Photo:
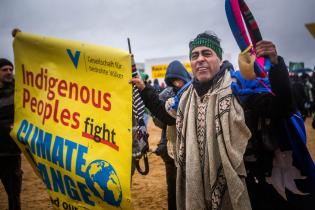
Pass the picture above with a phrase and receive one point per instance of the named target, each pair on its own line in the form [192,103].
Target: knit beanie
[5,62]
[144,76]
[208,40]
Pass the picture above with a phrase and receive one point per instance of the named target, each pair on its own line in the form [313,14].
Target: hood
[176,70]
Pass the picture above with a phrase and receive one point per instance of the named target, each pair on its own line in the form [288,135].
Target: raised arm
[151,100]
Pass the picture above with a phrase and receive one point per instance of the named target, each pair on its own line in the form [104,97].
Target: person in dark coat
[10,154]
[156,85]
[299,94]
[175,78]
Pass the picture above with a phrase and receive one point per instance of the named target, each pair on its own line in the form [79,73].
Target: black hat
[5,62]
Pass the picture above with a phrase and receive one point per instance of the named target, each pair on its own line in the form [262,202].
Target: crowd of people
[303,86]
[218,147]
[225,148]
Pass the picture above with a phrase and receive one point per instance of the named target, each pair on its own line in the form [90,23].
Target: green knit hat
[208,40]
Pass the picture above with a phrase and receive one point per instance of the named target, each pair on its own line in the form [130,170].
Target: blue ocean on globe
[103,181]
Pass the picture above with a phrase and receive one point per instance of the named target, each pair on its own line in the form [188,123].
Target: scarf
[211,140]
[237,13]
[203,87]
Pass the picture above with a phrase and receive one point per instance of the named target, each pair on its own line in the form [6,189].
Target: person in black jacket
[10,154]
[299,95]
[175,78]
[212,135]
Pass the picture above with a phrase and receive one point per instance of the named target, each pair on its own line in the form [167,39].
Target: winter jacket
[7,145]
[156,103]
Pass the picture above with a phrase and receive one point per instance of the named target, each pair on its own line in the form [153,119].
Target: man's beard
[7,80]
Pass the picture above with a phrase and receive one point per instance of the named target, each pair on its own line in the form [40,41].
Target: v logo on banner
[75,58]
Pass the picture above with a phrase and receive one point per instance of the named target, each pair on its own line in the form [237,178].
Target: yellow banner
[73,120]
[159,71]
[311,28]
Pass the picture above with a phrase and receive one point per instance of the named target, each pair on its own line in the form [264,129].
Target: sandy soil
[148,192]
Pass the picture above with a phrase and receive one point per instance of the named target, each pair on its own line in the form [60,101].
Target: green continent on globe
[103,181]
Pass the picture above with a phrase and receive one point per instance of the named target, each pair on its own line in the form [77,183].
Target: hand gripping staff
[140,145]
[237,13]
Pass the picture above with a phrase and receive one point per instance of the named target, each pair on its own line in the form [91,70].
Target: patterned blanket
[211,140]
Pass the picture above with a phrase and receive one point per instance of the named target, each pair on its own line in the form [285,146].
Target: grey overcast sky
[158,28]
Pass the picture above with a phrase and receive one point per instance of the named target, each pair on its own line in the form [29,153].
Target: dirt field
[148,192]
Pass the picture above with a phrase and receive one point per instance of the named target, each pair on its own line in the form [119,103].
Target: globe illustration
[103,181]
